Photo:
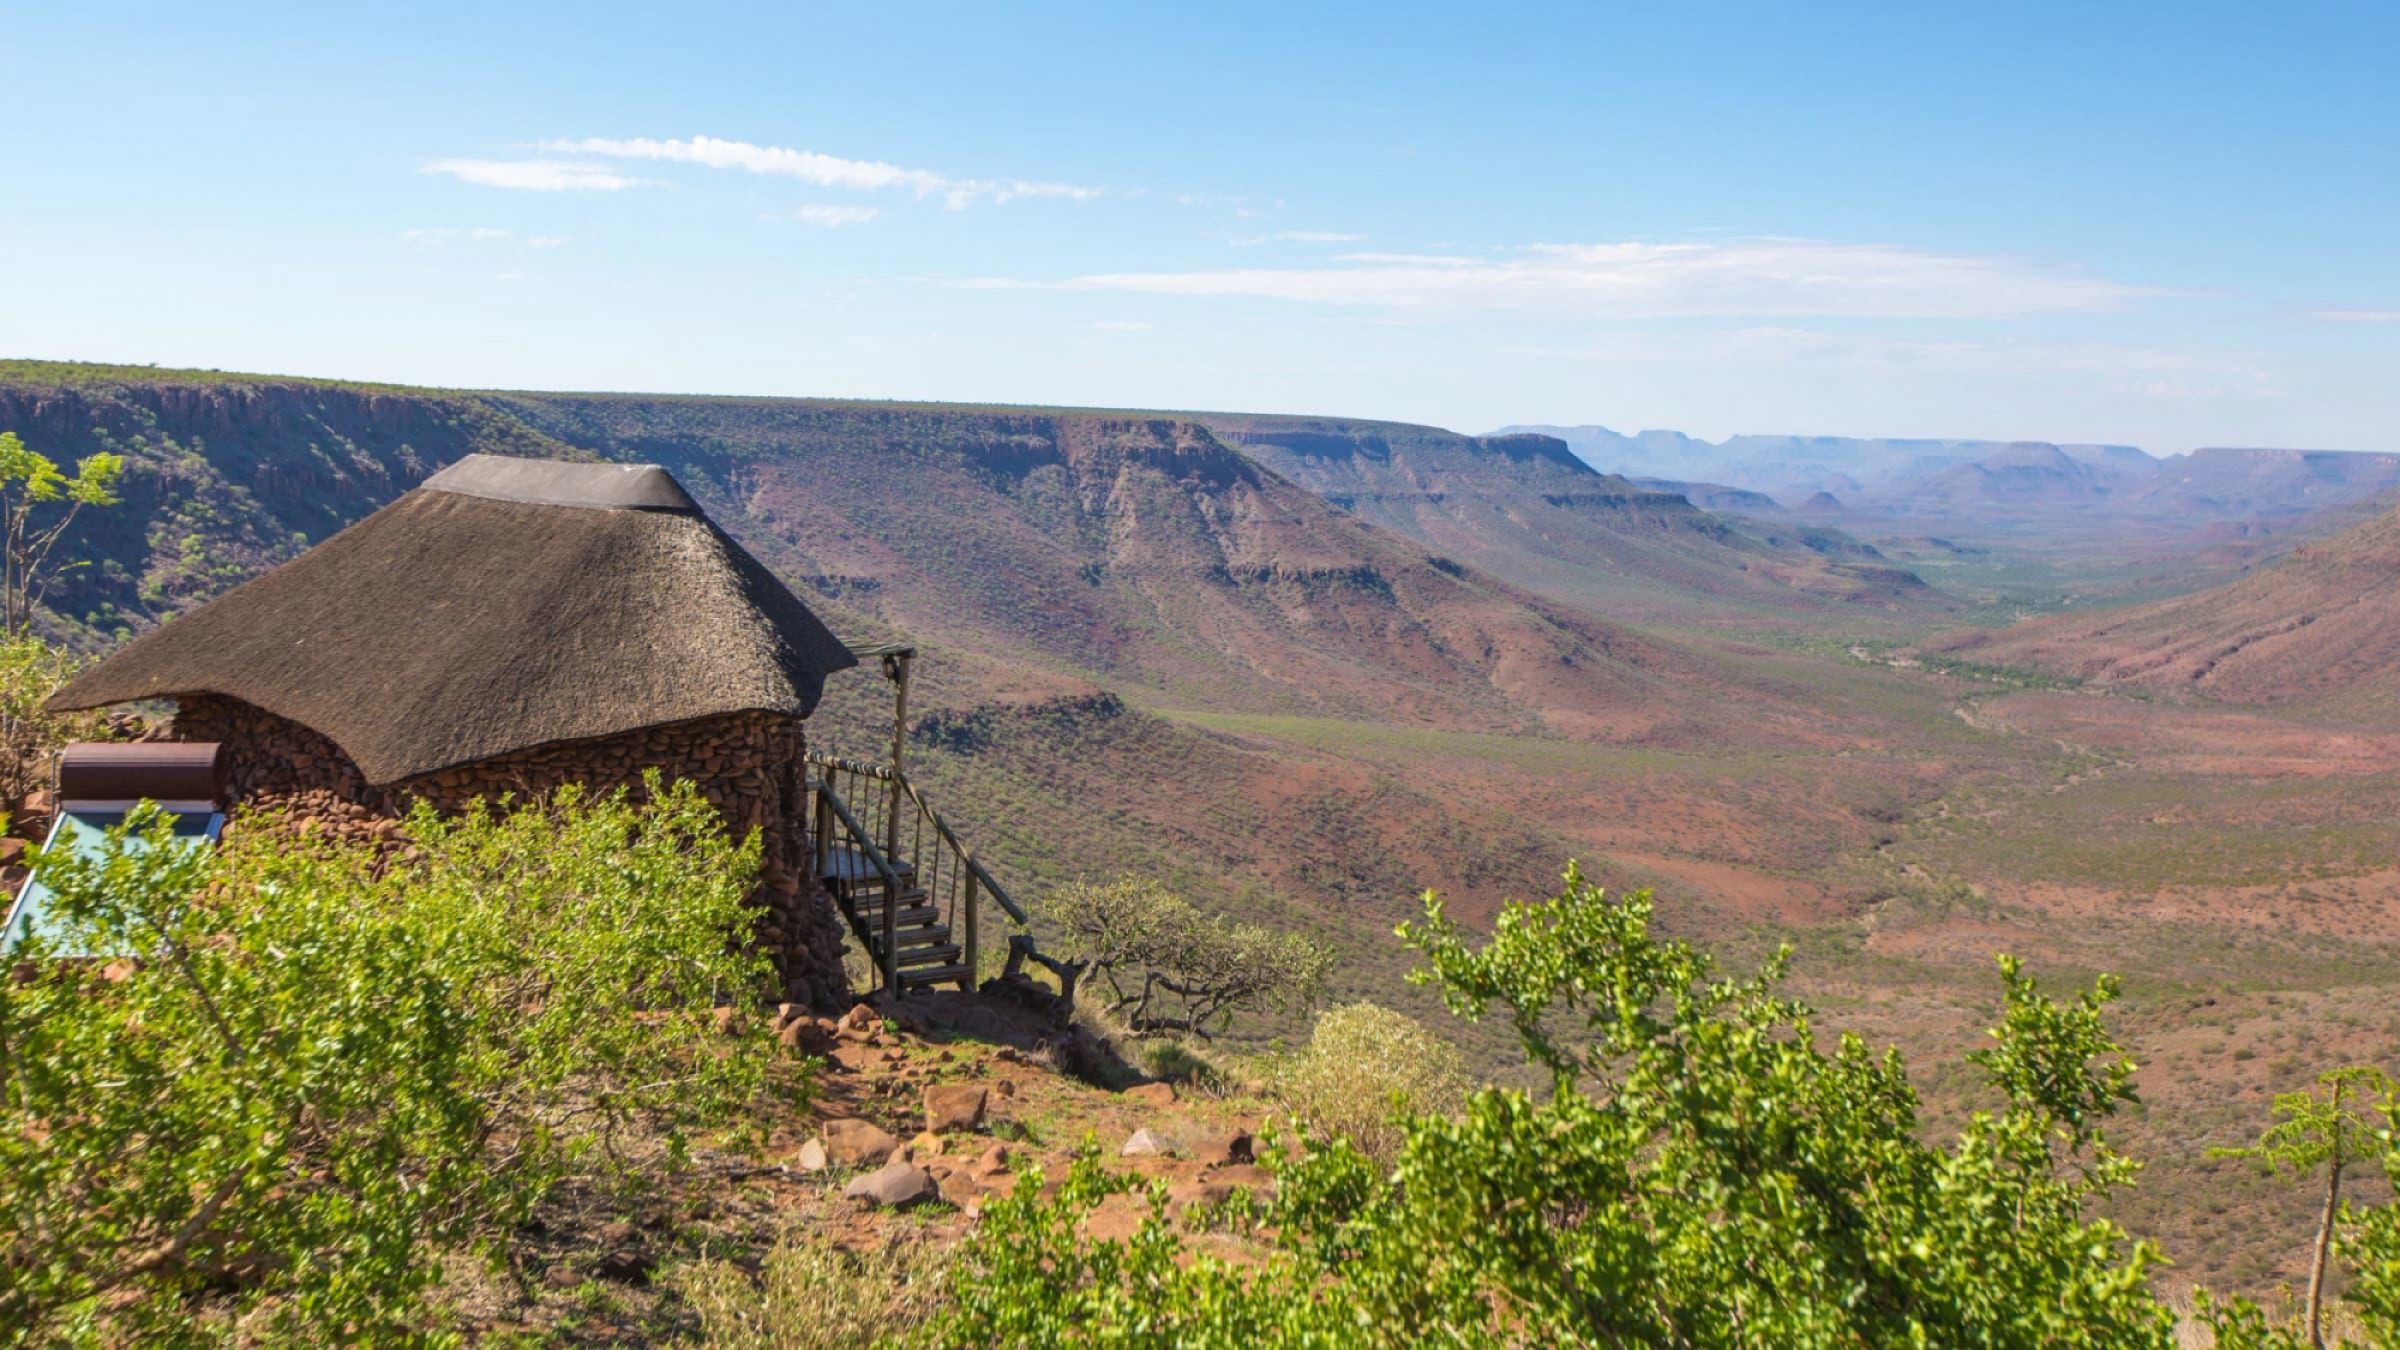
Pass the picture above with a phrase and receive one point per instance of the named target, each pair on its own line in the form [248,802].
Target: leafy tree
[1702,1172]
[313,1074]
[1171,969]
[2329,1130]
[37,503]
[2351,1114]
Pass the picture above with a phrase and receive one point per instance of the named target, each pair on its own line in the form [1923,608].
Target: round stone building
[511,626]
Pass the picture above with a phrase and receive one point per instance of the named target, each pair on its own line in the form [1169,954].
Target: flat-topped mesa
[511,626]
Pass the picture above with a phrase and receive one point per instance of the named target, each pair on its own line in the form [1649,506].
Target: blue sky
[2169,225]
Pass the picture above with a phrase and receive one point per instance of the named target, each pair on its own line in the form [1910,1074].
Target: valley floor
[2239,869]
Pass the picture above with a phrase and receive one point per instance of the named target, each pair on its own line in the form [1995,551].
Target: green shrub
[320,1074]
[811,1296]
[1179,1062]
[1701,1173]
[1365,1070]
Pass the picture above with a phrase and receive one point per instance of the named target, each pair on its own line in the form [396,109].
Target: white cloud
[809,166]
[2357,315]
[1319,237]
[1121,325]
[1741,278]
[548,240]
[833,217]
[451,235]
[1408,259]
[535,175]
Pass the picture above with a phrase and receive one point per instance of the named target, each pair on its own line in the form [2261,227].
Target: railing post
[974,945]
[824,827]
[891,940]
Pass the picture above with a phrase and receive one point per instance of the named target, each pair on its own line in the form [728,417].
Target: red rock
[961,1189]
[895,1185]
[1152,1094]
[857,1143]
[954,1107]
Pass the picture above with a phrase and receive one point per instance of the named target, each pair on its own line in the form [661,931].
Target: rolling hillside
[1142,551]
[2321,626]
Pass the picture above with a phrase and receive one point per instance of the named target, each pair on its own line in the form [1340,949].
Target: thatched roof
[502,605]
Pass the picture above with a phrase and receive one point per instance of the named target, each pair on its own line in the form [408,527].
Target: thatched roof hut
[504,604]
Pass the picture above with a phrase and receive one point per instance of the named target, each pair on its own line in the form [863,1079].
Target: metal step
[919,979]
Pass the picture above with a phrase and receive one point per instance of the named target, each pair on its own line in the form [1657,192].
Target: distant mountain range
[1994,482]
[1526,508]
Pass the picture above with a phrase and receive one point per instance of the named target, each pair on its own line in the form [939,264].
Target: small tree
[37,503]
[2329,1127]
[1171,969]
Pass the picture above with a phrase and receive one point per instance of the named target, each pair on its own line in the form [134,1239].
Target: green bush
[1702,1172]
[809,1296]
[317,1075]
[1365,1071]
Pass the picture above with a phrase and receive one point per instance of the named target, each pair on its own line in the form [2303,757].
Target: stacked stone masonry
[751,766]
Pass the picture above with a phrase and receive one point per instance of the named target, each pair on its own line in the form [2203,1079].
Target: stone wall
[750,765]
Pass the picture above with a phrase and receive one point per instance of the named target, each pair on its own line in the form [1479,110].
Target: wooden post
[891,942]
[974,946]
[895,669]
[824,825]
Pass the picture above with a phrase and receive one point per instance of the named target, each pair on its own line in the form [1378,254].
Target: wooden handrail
[978,878]
[885,773]
[865,844]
